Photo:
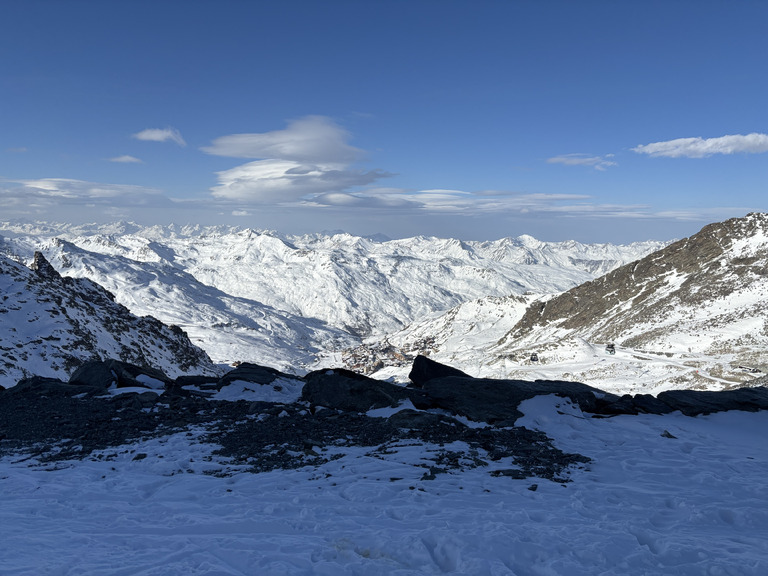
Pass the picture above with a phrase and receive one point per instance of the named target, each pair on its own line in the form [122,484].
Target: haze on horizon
[594,121]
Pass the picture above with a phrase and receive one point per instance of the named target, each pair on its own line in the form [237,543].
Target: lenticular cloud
[754,143]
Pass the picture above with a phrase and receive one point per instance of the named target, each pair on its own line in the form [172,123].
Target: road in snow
[664,495]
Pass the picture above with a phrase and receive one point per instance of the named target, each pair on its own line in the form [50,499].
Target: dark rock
[105,373]
[425,369]
[349,391]
[417,420]
[628,404]
[252,373]
[695,402]
[647,404]
[496,401]
[40,386]
[43,267]
[511,473]
[200,381]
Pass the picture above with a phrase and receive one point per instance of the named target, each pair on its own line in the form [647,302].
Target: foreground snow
[649,503]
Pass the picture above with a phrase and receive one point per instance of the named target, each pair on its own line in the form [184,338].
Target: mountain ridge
[52,324]
[293,301]
[691,314]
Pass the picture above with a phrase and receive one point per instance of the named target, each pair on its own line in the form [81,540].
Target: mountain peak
[43,267]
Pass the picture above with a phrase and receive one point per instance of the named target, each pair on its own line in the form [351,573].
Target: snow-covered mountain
[691,315]
[285,301]
[49,325]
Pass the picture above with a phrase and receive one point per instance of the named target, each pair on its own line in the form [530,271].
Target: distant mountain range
[691,314]
[296,302]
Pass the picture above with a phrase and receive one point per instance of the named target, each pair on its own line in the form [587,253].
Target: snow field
[648,504]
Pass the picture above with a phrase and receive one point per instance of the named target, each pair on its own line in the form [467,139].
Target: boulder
[349,391]
[41,386]
[695,402]
[104,373]
[251,373]
[496,401]
[425,369]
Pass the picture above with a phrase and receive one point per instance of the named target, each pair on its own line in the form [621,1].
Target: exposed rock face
[52,325]
[711,285]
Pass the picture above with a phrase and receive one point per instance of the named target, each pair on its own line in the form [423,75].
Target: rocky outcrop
[690,286]
[253,373]
[104,405]
[113,373]
[345,390]
[425,369]
[53,324]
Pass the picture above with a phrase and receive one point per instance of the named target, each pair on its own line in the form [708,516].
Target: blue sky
[591,120]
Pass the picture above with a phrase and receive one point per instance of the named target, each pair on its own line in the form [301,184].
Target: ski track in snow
[648,504]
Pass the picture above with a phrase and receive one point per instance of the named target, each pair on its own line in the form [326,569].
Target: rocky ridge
[462,422]
[691,315]
[53,324]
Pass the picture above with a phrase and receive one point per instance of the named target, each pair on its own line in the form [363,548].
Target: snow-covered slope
[664,495]
[692,315]
[49,325]
[459,337]
[700,303]
[283,301]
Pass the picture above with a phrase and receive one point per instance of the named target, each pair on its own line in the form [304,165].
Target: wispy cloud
[63,188]
[310,157]
[597,162]
[78,199]
[754,143]
[441,201]
[126,159]
[17,150]
[312,139]
[161,135]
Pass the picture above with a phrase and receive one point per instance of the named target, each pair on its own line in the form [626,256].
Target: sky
[597,121]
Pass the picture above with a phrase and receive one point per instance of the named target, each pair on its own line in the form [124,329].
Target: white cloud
[161,135]
[312,139]
[458,202]
[311,157]
[126,159]
[79,200]
[279,181]
[597,162]
[754,143]
[65,188]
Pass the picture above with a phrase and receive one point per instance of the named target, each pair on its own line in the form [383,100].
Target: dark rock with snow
[50,325]
[196,381]
[497,401]
[349,391]
[43,267]
[251,373]
[425,369]
[106,373]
